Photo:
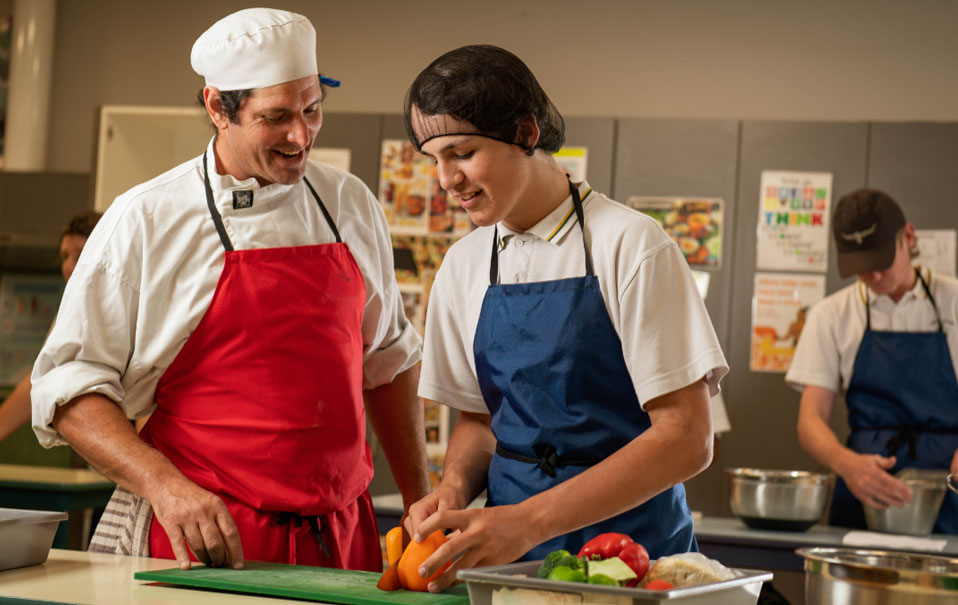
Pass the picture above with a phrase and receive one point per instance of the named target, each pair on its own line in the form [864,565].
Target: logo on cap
[859,236]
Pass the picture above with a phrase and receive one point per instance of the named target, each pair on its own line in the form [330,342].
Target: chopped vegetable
[659,585]
[394,545]
[601,578]
[567,574]
[636,557]
[614,568]
[555,559]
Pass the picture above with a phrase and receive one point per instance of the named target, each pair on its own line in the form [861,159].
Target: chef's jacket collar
[553,227]
[223,186]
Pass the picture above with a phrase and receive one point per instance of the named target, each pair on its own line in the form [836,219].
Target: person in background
[15,409]
[246,301]
[566,329]
[888,343]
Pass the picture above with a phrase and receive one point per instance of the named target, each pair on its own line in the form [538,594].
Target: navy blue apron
[551,371]
[902,401]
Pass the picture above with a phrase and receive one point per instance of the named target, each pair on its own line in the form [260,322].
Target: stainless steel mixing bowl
[916,518]
[846,576]
[777,499]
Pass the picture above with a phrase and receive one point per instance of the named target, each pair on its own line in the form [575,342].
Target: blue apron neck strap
[218,219]
[924,285]
[577,205]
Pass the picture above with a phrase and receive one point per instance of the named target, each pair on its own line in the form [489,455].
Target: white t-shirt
[826,351]
[668,341]
[148,271]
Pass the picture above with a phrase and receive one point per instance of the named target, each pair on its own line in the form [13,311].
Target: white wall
[752,59]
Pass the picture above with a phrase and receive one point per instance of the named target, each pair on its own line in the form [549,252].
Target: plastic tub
[26,536]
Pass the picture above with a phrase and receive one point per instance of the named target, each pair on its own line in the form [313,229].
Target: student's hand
[444,498]
[954,462]
[479,536]
[198,518]
[867,477]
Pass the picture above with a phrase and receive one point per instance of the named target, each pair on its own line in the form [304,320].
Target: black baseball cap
[865,224]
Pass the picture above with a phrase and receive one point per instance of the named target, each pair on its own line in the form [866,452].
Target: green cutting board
[301,582]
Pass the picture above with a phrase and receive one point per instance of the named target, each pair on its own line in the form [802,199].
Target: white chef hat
[255,48]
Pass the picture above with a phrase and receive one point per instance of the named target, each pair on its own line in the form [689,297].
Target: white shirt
[148,271]
[826,351]
[667,338]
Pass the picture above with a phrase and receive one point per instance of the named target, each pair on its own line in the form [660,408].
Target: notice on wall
[793,221]
[694,223]
[937,249]
[28,304]
[780,303]
[573,161]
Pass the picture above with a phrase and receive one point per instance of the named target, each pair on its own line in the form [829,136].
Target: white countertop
[72,576]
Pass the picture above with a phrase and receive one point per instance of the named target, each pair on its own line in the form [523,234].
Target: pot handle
[952,481]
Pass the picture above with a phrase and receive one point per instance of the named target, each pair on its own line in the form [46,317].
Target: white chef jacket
[668,341]
[826,351]
[148,272]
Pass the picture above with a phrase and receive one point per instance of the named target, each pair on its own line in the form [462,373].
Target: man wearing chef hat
[889,343]
[246,301]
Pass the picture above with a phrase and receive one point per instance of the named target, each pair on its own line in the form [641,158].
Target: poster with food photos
[696,225]
[780,304]
[793,221]
[412,198]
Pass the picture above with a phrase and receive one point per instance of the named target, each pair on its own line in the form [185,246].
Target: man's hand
[867,477]
[195,517]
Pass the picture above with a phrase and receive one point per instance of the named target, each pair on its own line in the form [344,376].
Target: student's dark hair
[490,88]
[82,224]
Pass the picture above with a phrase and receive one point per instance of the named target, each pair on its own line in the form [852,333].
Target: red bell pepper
[611,544]
[605,545]
[635,556]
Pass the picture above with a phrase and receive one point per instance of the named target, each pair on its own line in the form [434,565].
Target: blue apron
[902,401]
[551,371]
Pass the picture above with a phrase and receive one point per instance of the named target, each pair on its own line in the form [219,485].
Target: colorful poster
[937,249]
[780,303]
[694,223]
[411,196]
[573,161]
[28,304]
[793,219]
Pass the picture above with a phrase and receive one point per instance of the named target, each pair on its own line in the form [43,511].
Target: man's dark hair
[230,101]
[81,224]
[490,88]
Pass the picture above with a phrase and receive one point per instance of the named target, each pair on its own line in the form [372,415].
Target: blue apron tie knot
[548,458]
[906,434]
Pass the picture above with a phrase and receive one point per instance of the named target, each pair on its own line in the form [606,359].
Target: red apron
[263,406]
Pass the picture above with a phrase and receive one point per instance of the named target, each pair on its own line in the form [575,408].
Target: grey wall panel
[762,409]
[916,164]
[360,133]
[598,135]
[688,158]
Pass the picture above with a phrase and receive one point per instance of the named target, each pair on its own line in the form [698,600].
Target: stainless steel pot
[777,499]
[845,576]
[917,517]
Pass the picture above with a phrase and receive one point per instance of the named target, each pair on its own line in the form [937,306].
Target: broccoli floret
[555,559]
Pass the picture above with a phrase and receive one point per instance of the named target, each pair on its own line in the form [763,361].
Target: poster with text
[793,220]
[780,303]
[694,223]
[937,250]
[28,304]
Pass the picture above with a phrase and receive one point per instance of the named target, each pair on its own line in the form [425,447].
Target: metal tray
[482,582]
[26,536]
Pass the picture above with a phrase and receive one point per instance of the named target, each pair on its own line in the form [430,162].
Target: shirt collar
[553,227]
